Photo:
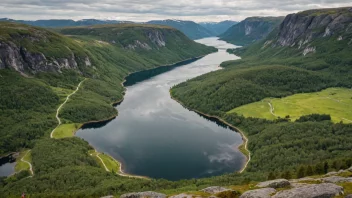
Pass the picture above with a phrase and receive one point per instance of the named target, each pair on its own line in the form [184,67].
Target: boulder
[331,173]
[109,196]
[325,190]
[259,193]
[214,189]
[277,183]
[183,196]
[350,169]
[349,196]
[302,180]
[148,194]
[336,179]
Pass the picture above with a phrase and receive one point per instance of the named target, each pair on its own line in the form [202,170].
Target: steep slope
[30,50]
[314,39]
[250,30]
[278,66]
[54,23]
[218,28]
[189,28]
[55,64]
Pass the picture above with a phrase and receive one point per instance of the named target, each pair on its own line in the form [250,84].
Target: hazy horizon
[146,10]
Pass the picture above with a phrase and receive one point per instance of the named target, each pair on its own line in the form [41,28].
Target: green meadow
[334,101]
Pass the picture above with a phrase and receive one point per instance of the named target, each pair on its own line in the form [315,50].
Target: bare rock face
[336,179]
[259,193]
[324,190]
[303,27]
[278,183]
[148,194]
[215,189]
[20,59]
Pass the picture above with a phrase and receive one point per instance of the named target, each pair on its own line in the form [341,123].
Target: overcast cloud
[145,10]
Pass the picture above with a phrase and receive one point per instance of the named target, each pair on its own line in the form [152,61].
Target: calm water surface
[7,166]
[155,136]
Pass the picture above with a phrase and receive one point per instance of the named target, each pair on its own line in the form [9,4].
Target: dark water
[7,166]
[155,136]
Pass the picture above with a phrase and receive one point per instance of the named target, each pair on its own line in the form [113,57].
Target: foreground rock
[337,179]
[148,194]
[278,183]
[184,196]
[325,190]
[259,193]
[215,189]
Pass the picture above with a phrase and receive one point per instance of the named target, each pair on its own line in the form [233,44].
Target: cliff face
[323,36]
[250,30]
[131,36]
[31,50]
[191,29]
[302,28]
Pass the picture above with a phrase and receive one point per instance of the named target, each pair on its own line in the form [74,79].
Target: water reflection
[156,137]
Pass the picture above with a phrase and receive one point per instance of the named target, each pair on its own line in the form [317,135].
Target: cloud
[144,10]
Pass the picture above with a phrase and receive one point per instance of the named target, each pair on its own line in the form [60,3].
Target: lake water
[155,136]
[7,166]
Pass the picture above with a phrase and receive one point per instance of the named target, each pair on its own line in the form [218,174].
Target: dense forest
[28,105]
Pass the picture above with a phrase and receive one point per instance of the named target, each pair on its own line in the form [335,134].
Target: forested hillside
[39,66]
[189,28]
[250,30]
[309,51]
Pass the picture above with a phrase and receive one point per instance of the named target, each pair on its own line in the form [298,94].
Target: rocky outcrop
[278,183]
[215,189]
[336,179]
[324,190]
[22,60]
[184,196]
[250,30]
[259,193]
[148,194]
[305,26]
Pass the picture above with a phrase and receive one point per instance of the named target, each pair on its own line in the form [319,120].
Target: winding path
[30,165]
[106,168]
[272,109]
[120,171]
[58,109]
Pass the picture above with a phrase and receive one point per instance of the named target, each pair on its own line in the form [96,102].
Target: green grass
[66,130]
[20,165]
[110,163]
[334,101]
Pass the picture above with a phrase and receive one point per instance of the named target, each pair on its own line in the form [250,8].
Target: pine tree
[309,171]
[271,176]
[301,172]
[288,175]
[326,167]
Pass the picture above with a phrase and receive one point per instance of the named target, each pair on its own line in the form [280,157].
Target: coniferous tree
[309,170]
[326,167]
[301,172]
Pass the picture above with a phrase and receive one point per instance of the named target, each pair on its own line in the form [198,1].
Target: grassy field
[111,164]
[66,130]
[334,101]
[20,165]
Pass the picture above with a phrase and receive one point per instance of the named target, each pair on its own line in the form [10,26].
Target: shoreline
[114,104]
[244,138]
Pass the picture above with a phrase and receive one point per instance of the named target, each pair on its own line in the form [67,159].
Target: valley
[108,108]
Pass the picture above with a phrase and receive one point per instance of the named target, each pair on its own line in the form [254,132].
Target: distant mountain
[250,30]
[218,27]
[189,28]
[52,23]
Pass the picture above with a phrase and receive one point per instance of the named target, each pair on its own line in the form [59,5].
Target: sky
[145,10]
